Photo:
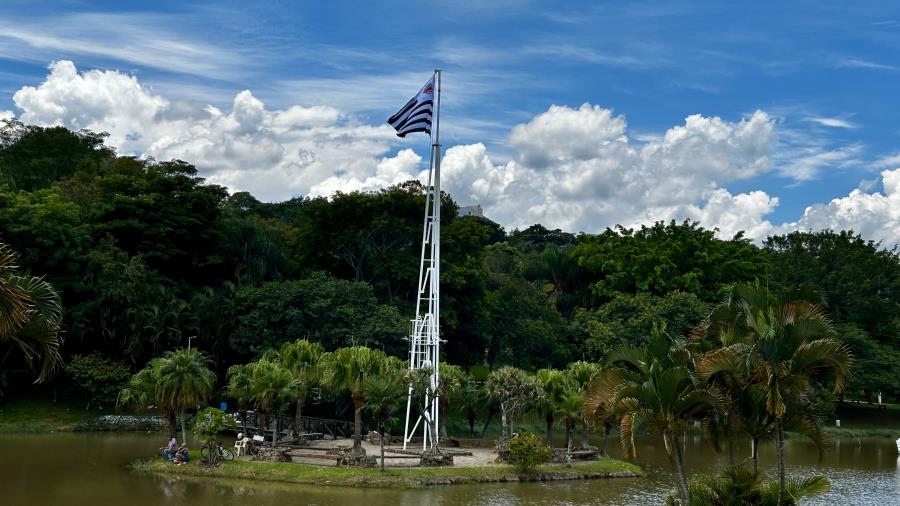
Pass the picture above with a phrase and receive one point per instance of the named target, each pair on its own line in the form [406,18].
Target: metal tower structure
[424,339]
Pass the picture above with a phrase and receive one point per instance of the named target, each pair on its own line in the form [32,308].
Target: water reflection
[91,469]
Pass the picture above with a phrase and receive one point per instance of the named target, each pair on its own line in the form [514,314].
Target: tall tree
[178,381]
[348,370]
[303,359]
[790,345]
[653,387]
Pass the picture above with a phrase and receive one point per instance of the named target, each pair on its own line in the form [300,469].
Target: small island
[479,467]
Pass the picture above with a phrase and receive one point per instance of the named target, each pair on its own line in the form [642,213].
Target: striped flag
[415,116]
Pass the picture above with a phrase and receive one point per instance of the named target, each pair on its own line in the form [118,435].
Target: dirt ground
[480,456]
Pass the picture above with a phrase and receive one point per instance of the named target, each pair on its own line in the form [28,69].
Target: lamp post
[189,341]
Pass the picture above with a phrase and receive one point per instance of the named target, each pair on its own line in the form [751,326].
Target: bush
[99,378]
[527,451]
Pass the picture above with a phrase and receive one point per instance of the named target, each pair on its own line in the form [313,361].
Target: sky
[763,118]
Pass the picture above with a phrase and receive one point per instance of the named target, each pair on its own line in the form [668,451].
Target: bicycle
[222,452]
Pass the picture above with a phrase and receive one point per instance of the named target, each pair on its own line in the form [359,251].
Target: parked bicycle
[222,452]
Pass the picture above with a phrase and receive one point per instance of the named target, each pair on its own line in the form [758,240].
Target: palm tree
[302,358]
[384,395]
[569,408]
[240,388]
[581,373]
[789,345]
[652,386]
[347,370]
[551,383]
[737,485]
[272,388]
[181,379]
[30,316]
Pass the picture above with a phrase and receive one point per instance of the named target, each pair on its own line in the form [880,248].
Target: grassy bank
[390,478]
[33,415]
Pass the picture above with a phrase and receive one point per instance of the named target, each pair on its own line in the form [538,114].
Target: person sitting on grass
[182,455]
[168,452]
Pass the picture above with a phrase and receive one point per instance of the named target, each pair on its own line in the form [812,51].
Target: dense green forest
[146,254]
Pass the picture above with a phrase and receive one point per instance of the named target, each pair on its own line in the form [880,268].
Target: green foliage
[514,390]
[627,320]
[30,317]
[321,308]
[737,486]
[177,381]
[33,157]
[527,451]
[99,378]
[209,422]
[664,258]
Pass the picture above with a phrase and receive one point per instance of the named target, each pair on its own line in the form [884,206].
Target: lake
[90,469]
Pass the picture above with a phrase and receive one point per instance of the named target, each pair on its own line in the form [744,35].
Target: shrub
[527,451]
[99,378]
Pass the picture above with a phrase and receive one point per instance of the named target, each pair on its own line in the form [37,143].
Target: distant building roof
[474,210]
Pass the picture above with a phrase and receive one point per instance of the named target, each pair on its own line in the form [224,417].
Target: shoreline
[412,477]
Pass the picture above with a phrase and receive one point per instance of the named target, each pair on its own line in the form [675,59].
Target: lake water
[91,469]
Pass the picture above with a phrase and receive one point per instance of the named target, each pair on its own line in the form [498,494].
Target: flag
[415,116]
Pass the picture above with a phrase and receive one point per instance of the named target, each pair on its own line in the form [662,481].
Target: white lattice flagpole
[424,339]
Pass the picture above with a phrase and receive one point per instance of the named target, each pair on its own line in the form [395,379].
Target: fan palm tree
[580,373]
[240,389]
[384,395]
[302,358]
[651,386]
[347,370]
[30,316]
[789,345]
[272,388]
[552,382]
[181,379]
[569,408]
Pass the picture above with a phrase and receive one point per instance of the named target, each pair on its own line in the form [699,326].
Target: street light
[189,341]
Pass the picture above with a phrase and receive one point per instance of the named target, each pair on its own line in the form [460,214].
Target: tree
[240,388]
[628,320]
[208,424]
[33,157]
[348,370]
[580,374]
[790,345]
[273,388]
[739,486]
[180,380]
[30,317]
[652,387]
[514,390]
[320,308]
[666,257]
[99,378]
[384,395]
[552,383]
[302,359]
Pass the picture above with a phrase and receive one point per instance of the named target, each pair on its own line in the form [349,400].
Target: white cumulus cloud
[576,168]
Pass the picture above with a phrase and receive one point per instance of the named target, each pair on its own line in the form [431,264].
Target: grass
[415,477]
[38,415]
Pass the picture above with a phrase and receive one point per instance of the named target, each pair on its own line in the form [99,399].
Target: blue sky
[824,73]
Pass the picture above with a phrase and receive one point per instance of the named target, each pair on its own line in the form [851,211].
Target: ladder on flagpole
[424,339]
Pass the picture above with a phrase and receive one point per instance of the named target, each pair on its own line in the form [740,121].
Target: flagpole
[425,332]
[436,145]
